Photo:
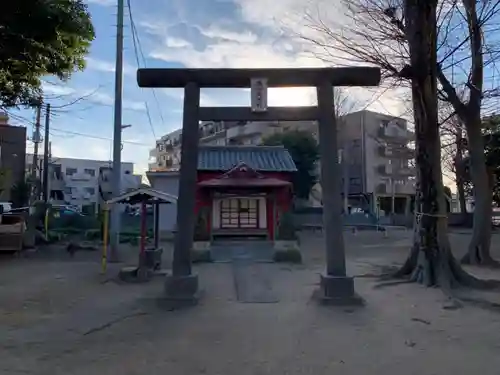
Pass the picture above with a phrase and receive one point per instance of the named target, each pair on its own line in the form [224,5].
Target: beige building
[378,160]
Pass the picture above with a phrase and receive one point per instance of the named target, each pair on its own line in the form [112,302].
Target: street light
[124,127]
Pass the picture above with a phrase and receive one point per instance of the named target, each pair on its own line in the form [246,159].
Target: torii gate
[336,287]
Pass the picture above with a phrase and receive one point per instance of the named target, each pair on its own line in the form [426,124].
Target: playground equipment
[149,257]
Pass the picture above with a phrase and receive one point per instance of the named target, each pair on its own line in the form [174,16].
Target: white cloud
[243,52]
[176,43]
[227,35]
[57,89]
[108,66]
[106,99]
[273,47]
[102,2]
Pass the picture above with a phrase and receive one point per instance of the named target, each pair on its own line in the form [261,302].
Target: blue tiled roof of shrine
[260,158]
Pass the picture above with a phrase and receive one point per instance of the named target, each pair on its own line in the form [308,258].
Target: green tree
[40,38]
[304,151]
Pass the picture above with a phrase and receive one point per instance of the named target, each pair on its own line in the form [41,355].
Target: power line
[97,137]
[71,133]
[139,51]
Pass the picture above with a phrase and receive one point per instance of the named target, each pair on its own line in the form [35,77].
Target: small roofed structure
[143,196]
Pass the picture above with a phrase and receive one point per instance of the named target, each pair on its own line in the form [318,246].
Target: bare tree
[374,32]
[453,149]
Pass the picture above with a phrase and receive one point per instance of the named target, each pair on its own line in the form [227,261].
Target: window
[90,190]
[239,213]
[71,171]
[90,172]
[384,123]
[127,172]
[355,181]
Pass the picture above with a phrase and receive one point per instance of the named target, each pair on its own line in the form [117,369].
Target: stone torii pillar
[336,286]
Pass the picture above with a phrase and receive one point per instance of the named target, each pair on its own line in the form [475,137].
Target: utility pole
[31,227]
[117,133]
[34,166]
[46,155]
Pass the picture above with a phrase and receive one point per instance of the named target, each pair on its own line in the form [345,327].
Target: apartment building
[83,182]
[374,150]
[12,156]
[377,161]
[166,154]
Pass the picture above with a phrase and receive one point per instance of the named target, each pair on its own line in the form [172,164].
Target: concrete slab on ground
[254,282]
[228,251]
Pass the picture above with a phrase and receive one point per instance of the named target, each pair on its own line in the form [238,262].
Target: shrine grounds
[59,316]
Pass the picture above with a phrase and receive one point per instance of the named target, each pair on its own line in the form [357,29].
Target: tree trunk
[479,246]
[460,174]
[430,261]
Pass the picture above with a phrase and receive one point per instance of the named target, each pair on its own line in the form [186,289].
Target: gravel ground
[58,316]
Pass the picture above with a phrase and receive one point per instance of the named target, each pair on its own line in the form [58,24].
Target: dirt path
[79,326]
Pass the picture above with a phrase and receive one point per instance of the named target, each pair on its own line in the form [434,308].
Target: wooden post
[143,231]
[157,224]
[331,183]
[187,182]
[104,259]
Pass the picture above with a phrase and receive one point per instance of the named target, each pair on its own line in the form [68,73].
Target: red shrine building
[241,190]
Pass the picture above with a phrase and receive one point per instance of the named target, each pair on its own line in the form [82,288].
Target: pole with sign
[258,90]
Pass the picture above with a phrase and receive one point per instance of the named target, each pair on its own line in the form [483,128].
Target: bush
[93,235]
[288,256]
[201,232]
[286,228]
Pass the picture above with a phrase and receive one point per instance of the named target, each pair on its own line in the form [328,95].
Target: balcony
[57,182]
[80,177]
[396,151]
[386,188]
[396,133]
[385,151]
[396,171]
[249,129]
[383,188]
[407,188]
[402,151]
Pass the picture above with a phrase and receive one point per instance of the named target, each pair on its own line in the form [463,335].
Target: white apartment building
[80,182]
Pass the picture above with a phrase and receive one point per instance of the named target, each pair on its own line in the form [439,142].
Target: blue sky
[172,33]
